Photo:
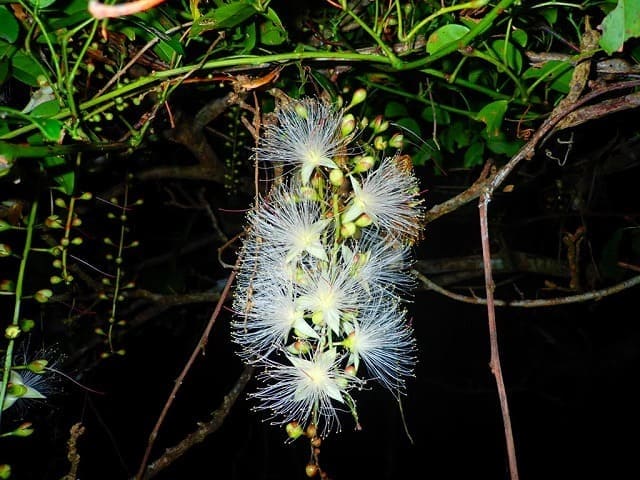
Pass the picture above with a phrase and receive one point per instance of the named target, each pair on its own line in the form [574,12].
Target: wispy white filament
[307,390]
[389,195]
[306,135]
[383,340]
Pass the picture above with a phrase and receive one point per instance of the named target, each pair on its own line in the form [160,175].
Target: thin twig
[204,429]
[494,363]
[178,383]
[537,303]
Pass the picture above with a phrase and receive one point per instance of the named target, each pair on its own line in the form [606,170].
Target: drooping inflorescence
[324,270]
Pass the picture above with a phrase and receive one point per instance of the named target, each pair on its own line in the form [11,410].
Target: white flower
[22,388]
[265,327]
[288,227]
[383,340]
[380,262]
[307,135]
[331,293]
[389,196]
[305,390]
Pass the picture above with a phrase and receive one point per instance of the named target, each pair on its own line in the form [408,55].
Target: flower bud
[379,124]
[53,221]
[396,141]
[26,324]
[318,317]
[5,250]
[301,110]
[348,229]
[4,226]
[311,470]
[348,125]
[12,332]
[363,164]
[43,296]
[311,431]
[24,430]
[379,143]
[336,177]
[299,346]
[294,430]
[59,202]
[86,196]
[359,96]
[38,366]
[363,220]
[17,390]
[5,471]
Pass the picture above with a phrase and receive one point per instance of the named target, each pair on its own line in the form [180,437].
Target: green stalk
[8,359]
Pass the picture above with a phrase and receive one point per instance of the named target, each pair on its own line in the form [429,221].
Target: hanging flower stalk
[324,271]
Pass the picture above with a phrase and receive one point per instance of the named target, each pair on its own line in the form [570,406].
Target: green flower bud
[12,332]
[379,143]
[396,141]
[301,110]
[348,125]
[359,96]
[363,221]
[26,324]
[379,125]
[294,430]
[43,296]
[24,430]
[5,471]
[59,202]
[4,226]
[38,366]
[317,318]
[348,229]
[336,177]
[363,164]
[17,390]
[5,250]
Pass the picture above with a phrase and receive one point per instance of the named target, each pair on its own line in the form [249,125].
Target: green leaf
[226,16]
[9,27]
[492,115]
[409,124]
[250,38]
[26,69]
[500,144]
[271,34]
[621,24]
[473,156]
[395,110]
[442,117]
[46,109]
[520,37]
[509,54]
[39,4]
[65,179]
[550,15]
[444,36]
[557,74]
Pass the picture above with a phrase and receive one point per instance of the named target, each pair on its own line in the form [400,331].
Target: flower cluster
[324,269]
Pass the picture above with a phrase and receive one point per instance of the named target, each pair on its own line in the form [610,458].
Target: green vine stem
[8,356]
[452,8]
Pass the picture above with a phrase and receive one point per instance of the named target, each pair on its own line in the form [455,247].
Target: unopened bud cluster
[324,270]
